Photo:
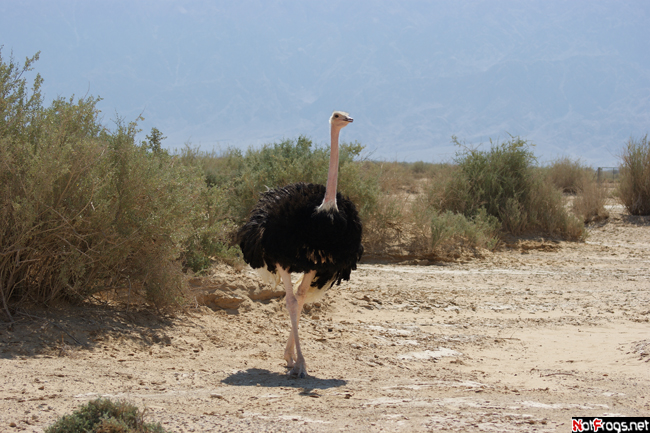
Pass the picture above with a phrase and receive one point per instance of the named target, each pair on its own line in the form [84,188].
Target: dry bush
[573,177]
[404,177]
[547,214]
[394,177]
[589,204]
[409,220]
[386,225]
[82,216]
[568,175]
[634,188]
[84,209]
[401,220]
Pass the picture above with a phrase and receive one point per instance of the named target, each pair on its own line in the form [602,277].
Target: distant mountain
[572,77]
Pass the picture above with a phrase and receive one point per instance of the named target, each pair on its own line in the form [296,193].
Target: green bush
[482,230]
[505,183]
[235,180]
[85,209]
[495,180]
[213,231]
[245,176]
[105,416]
[634,188]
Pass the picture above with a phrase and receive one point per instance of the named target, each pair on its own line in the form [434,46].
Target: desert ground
[521,339]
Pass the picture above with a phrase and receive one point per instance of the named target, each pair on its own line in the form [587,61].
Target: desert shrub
[401,217]
[503,181]
[385,224]
[419,167]
[213,231]
[495,180]
[573,177]
[289,161]
[568,175]
[392,177]
[400,177]
[634,188]
[589,204]
[546,214]
[84,208]
[105,416]
[235,180]
[479,231]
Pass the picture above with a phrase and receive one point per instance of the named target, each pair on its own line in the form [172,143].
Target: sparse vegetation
[479,231]
[634,189]
[86,209]
[589,204]
[568,175]
[504,182]
[290,161]
[575,178]
[105,416]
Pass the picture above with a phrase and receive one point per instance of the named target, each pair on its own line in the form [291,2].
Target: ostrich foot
[290,360]
[299,371]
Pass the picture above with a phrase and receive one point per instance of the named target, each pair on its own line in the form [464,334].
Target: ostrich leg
[295,303]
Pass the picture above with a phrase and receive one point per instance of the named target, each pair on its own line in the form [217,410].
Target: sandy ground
[519,341]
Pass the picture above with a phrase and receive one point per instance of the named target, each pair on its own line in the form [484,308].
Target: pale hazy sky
[571,76]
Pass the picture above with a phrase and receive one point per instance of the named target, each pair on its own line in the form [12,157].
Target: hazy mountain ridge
[574,78]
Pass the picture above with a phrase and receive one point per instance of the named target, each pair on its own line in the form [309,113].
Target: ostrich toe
[299,371]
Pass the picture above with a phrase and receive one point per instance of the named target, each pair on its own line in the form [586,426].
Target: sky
[571,77]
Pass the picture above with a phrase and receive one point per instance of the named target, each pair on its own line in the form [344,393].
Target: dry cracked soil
[521,340]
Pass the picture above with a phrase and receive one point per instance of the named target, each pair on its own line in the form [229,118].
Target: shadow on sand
[270,379]
[57,330]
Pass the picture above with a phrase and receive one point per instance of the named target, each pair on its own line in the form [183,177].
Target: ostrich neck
[332,174]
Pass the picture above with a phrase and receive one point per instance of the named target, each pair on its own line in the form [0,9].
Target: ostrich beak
[349,119]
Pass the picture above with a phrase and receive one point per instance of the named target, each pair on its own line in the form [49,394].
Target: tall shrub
[634,189]
[569,175]
[84,208]
[503,181]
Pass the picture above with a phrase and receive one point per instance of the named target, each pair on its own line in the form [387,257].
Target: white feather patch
[271,278]
[314,294]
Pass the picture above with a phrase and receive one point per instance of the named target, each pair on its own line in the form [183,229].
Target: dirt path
[520,341]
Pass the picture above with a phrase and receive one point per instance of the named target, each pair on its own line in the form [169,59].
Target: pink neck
[332,174]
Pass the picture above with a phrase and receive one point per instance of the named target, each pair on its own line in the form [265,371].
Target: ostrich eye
[336,115]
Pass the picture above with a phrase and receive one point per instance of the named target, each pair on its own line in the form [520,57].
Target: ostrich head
[340,119]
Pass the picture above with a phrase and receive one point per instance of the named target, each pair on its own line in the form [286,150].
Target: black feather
[285,228]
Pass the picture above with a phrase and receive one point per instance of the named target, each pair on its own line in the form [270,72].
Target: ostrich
[309,229]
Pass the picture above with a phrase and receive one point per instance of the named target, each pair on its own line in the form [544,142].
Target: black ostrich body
[287,229]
